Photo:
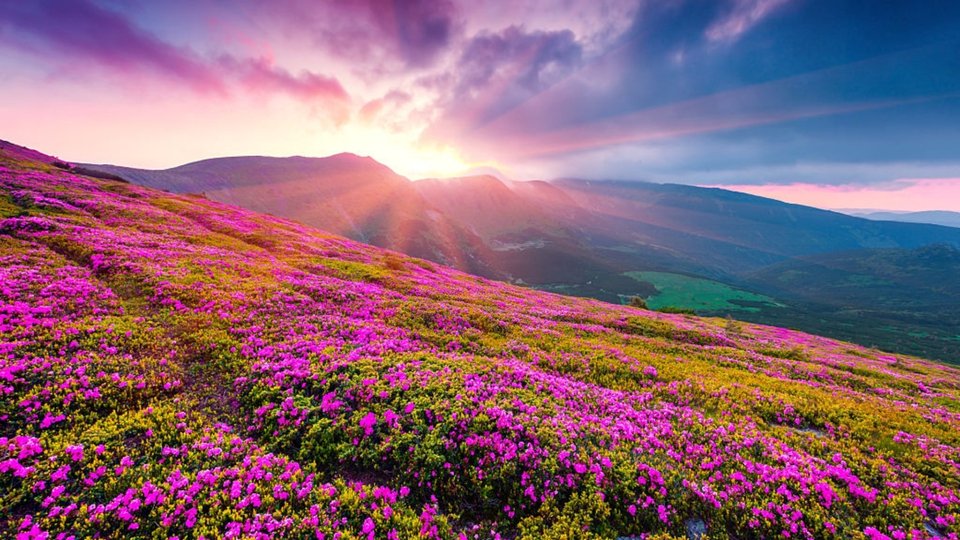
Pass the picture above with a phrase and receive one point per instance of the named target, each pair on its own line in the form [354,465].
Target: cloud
[424,28]
[390,102]
[496,72]
[80,32]
[744,15]
[521,134]
[376,35]
[595,23]
[902,194]
[716,91]
[261,75]
[534,60]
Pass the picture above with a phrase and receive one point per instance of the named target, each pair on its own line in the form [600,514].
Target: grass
[7,207]
[680,291]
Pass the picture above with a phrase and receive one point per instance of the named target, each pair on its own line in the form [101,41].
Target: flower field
[175,368]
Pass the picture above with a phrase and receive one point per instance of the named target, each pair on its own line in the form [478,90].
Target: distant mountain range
[935,217]
[813,269]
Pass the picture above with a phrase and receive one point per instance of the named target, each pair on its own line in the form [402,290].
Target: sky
[833,103]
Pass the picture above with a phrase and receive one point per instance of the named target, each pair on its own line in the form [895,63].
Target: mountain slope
[173,366]
[345,194]
[907,299]
[747,231]
[590,238]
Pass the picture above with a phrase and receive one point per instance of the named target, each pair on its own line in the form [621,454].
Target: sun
[416,162]
[405,153]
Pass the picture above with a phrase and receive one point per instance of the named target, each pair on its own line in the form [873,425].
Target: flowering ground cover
[172,367]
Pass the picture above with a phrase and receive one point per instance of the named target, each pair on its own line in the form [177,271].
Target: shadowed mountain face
[608,240]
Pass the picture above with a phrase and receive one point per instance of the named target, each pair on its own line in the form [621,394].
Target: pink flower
[329,403]
[367,423]
[873,534]
[74,451]
[663,514]
[368,528]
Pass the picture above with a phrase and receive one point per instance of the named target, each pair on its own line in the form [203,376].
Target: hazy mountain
[935,217]
[604,239]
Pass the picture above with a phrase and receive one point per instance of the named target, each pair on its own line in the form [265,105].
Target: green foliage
[681,291]
[355,271]
[8,208]
[677,310]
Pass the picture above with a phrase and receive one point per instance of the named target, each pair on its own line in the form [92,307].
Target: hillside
[591,238]
[173,366]
[909,298]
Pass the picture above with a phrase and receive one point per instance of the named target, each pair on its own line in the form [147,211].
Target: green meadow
[678,290]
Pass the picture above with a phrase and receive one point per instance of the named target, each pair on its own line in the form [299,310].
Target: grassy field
[678,290]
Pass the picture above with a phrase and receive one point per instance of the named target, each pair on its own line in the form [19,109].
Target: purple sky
[818,100]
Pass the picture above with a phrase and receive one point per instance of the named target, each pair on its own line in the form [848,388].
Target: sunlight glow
[402,152]
[417,162]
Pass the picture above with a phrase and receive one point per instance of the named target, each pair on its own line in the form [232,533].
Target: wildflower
[367,422]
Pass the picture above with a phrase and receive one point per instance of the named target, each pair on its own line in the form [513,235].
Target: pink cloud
[261,74]
[745,15]
[905,194]
[408,33]
[80,32]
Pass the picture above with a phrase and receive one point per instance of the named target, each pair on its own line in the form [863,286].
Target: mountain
[602,239]
[936,217]
[173,366]
[738,231]
[345,194]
